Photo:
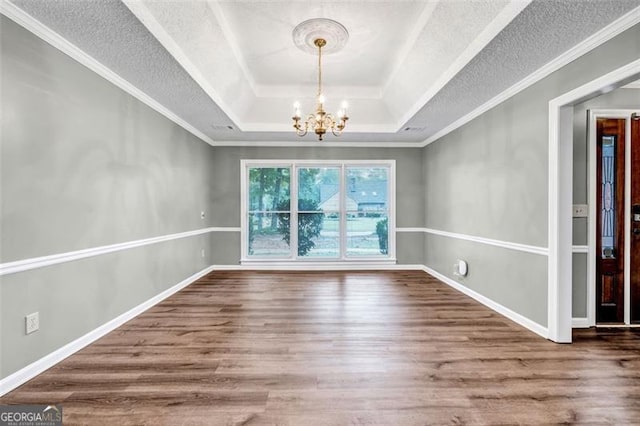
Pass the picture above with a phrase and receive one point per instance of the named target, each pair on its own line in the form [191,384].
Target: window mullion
[244,209]
[293,211]
[342,233]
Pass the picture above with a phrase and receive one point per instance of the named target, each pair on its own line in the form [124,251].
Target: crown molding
[607,33]
[423,19]
[233,43]
[141,12]
[498,24]
[34,26]
[25,20]
[312,143]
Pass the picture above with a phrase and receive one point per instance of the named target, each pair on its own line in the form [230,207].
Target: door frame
[560,220]
[592,216]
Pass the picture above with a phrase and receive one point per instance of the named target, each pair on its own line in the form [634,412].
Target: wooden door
[635,220]
[610,221]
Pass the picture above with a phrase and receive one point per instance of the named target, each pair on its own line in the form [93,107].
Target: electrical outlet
[32,322]
[202,252]
[202,215]
[580,210]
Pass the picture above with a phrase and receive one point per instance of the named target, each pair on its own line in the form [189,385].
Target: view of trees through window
[269,210]
[340,211]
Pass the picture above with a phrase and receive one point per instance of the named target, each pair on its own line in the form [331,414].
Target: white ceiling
[398,54]
[419,64]
[262,33]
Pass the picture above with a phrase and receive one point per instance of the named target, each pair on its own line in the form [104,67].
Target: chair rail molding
[54,259]
[542,251]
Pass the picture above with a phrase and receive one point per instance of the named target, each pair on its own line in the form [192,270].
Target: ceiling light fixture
[319,31]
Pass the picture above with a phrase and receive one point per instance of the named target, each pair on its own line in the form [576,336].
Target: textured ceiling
[543,31]
[107,31]
[422,64]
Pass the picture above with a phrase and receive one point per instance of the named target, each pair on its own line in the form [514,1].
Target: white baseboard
[317,266]
[513,316]
[27,373]
[30,371]
[580,323]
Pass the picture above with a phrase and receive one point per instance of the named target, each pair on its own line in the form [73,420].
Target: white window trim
[293,258]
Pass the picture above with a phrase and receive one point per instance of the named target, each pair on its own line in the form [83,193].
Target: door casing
[592,202]
[560,199]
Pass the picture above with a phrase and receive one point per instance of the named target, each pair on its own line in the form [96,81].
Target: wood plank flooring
[338,348]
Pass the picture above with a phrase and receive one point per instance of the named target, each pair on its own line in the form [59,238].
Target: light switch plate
[580,210]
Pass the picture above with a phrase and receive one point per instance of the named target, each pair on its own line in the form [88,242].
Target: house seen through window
[318,211]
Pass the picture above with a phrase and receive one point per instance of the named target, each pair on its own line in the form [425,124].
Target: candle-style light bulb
[344,107]
[321,98]
[296,109]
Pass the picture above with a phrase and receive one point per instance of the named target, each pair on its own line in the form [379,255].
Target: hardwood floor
[338,348]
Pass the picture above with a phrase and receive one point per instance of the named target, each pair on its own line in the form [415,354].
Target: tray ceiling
[409,69]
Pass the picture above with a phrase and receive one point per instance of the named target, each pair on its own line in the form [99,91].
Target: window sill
[320,264]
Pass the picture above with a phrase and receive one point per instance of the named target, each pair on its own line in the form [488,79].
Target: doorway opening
[614,225]
[561,195]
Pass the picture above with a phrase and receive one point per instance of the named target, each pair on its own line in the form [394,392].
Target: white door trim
[561,193]
[591,241]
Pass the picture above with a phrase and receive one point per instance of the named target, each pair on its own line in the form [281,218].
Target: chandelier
[320,121]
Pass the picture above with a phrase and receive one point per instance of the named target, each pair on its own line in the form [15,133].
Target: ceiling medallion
[324,36]
[306,33]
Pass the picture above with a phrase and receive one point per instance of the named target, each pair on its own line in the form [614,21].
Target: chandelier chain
[319,69]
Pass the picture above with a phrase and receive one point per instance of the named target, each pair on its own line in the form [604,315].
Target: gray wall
[409,196]
[489,179]
[83,164]
[617,99]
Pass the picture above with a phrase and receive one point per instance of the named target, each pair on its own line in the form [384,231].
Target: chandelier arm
[301,132]
[336,127]
[342,124]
